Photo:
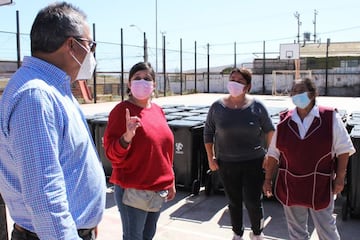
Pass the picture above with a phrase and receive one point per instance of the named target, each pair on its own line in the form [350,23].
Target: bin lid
[201,118]
[172,105]
[184,123]
[184,114]
[100,120]
[201,110]
[275,120]
[90,117]
[172,117]
[342,112]
[355,114]
[275,111]
[102,114]
[191,107]
[353,121]
[355,132]
[171,110]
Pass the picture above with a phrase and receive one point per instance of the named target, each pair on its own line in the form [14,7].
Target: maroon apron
[306,166]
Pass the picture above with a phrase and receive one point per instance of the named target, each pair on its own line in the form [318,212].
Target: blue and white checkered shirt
[50,175]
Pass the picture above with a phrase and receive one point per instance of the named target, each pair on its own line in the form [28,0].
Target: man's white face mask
[87,67]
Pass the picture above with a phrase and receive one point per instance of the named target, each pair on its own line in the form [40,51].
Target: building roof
[336,49]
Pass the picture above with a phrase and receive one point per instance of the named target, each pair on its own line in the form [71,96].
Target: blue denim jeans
[136,223]
[297,221]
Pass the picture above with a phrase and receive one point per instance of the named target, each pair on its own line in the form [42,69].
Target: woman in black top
[236,134]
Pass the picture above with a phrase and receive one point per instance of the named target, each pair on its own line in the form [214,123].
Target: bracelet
[123,142]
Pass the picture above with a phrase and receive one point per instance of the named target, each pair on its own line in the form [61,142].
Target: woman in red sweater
[140,146]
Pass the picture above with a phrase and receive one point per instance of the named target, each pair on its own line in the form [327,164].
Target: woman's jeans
[243,183]
[137,224]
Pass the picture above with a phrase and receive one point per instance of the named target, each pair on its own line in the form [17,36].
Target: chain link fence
[184,71]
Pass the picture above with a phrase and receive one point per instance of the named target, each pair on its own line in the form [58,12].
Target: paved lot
[204,217]
[199,217]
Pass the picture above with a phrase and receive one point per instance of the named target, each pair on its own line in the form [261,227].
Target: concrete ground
[205,217]
[197,217]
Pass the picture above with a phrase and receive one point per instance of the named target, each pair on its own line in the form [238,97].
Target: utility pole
[234,54]
[156,36]
[146,55]
[18,39]
[208,68]
[264,68]
[145,41]
[327,66]
[297,16]
[314,22]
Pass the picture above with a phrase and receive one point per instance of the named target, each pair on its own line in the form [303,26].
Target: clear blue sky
[217,23]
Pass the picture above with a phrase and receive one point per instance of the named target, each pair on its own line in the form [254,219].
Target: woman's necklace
[238,104]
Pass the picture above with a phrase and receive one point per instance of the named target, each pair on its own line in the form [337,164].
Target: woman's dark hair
[54,24]
[246,73]
[308,84]
[309,87]
[139,67]
[142,66]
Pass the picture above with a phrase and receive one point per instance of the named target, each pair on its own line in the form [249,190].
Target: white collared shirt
[341,139]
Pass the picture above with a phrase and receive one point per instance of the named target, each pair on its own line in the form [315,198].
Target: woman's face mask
[301,100]
[141,89]
[235,88]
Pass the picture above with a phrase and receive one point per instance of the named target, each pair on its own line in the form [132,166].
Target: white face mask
[141,89]
[87,67]
[235,88]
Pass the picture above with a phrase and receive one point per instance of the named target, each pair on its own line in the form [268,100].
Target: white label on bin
[179,148]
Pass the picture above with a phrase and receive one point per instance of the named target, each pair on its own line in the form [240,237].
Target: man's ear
[69,43]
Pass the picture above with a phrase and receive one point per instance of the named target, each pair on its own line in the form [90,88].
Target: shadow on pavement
[199,209]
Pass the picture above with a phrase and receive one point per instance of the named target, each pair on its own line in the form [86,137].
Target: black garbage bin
[275,111]
[172,117]
[183,114]
[189,154]
[213,183]
[100,126]
[201,118]
[190,108]
[90,121]
[352,188]
[352,121]
[171,110]
[202,110]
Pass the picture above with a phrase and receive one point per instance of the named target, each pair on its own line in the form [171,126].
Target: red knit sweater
[147,162]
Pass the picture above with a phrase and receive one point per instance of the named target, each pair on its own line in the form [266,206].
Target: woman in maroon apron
[310,151]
